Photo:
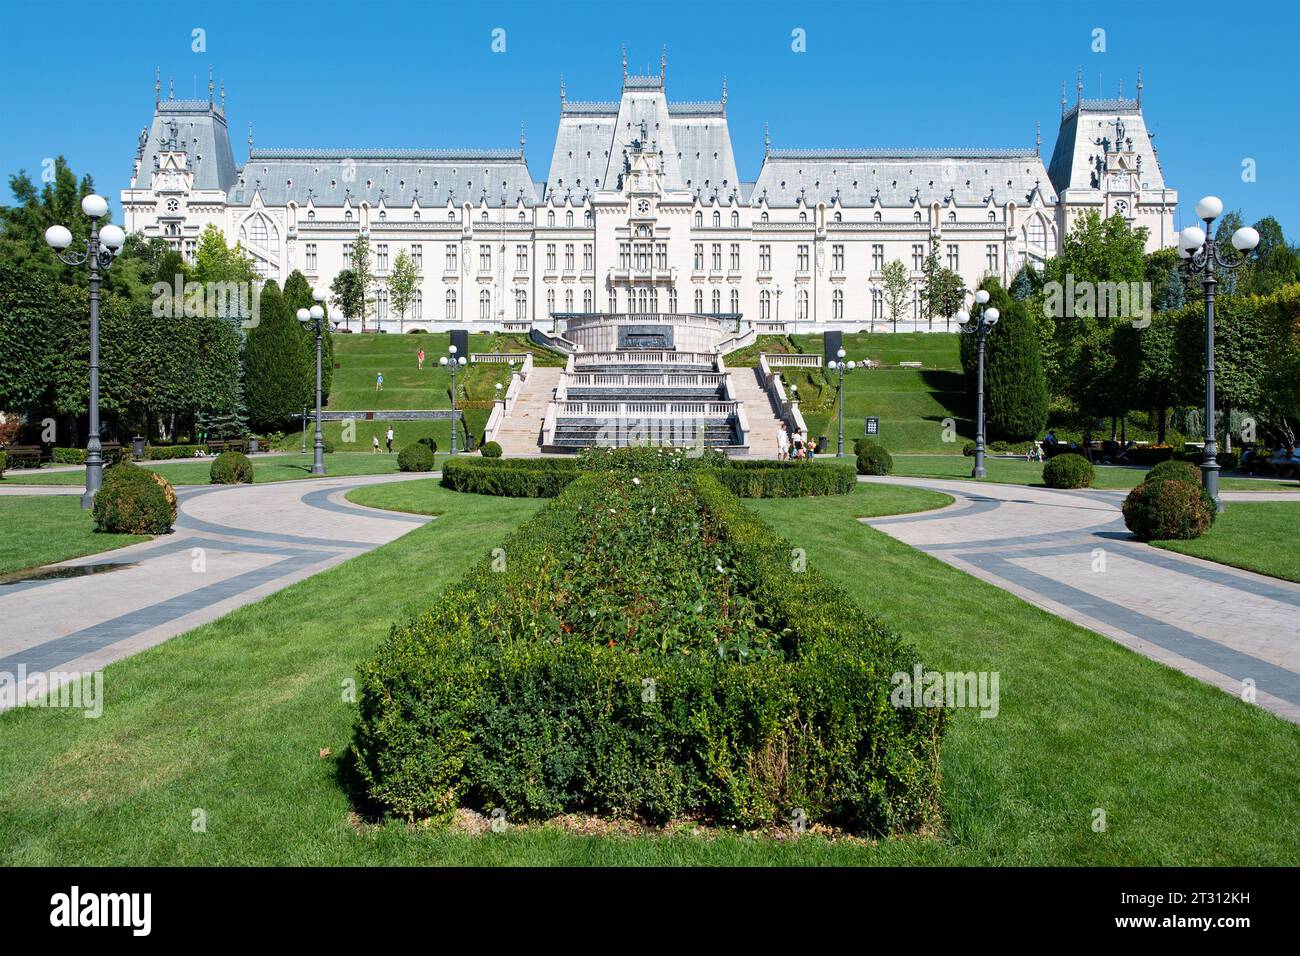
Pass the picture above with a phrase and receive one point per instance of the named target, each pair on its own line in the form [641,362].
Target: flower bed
[644,647]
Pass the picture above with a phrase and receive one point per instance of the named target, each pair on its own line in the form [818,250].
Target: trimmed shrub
[510,477]
[490,449]
[68,456]
[428,443]
[231,468]
[1068,471]
[526,688]
[170,452]
[415,457]
[872,458]
[785,479]
[134,501]
[1174,471]
[1166,509]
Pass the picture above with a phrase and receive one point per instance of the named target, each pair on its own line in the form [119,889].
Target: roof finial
[1139,86]
[561,90]
[250,137]
[1121,88]
[223,97]
[1038,139]
[624,48]
[663,63]
[1063,98]
[157,86]
[209,87]
[1078,86]
[724,92]
[171,87]
[767,141]
[522,141]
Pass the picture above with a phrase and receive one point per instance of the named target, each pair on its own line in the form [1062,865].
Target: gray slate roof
[200,129]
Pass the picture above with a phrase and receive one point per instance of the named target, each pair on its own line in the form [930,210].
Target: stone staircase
[759,412]
[520,433]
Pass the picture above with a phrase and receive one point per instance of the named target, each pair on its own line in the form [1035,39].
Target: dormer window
[952,217]
[451,217]
[717,219]
[993,217]
[876,216]
[803,217]
[416,215]
[763,218]
[483,215]
[568,218]
[383,216]
[839,217]
[521,216]
[735,219]
[347,216]
[550,217]
[311,215]
[699,218]
[916,216]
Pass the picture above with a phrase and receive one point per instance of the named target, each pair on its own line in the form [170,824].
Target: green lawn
[1017,471]
[274,468]
[231,719]
[1258,536]
[44,529]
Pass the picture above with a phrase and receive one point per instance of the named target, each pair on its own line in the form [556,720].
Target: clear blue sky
[78,80]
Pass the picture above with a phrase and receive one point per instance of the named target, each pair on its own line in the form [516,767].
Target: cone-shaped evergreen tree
[1015,390]
[274,364]
[297,295]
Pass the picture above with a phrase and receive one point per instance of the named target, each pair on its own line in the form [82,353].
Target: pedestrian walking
[388,439]
[419,357]
[379,381]
[782,444]
[374,443]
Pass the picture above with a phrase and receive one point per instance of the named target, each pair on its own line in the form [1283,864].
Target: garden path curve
[1069,553]
[232,545]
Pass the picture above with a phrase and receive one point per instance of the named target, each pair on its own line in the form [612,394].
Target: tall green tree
[298,295]
[347,294]
[895,286]
[402,283]
[1016,391]
[274,364]
[365,278]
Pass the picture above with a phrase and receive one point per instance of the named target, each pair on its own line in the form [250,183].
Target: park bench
[909,364]
[25,456]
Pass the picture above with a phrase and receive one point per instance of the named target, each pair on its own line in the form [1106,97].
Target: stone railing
[788,408]
[645,358]
[779,359]
[499,357]
[649,379]
[740,341]
[644,409]
[502,407]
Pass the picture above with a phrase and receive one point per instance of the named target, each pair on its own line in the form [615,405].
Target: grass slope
[1257,536]
[44,529]
[231,718]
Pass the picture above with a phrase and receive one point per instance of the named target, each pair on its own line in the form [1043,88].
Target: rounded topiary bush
[231,468]
[134,501]
[415,457]
[1167,509]
[1174,471]
[872,458]
[1068,471]
[490,449]
[428,443]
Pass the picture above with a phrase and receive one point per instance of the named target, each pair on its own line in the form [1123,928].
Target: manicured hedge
[231,468]
[68,456]
[169,452]
[1068,471]
[509,477]
[646,650]
[1165,509]
[872,459]
[415,457]
[490,449]
[134,501]
[547,477]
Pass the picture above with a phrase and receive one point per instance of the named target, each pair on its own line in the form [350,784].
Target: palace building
[643,210]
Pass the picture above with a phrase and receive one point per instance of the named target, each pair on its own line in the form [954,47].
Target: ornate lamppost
[451,360]
[980,328]
[100,250]
[838,364]
[1203,258]
[315,318]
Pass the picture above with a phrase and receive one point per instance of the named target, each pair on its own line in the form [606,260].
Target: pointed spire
[561,91]
[171,87]
[724,92]
[767,141]
[663,63]
[1139,86]
[1038,139]
[624,48]
[250,137]
[209,87]
[223,97]
[1063,98]
[157,86]
[1078,86]
[1121,88]
[522,141]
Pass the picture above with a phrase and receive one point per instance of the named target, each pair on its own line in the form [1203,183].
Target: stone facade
[643,210]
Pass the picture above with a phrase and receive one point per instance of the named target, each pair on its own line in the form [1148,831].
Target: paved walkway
[233,545]
[1069,553]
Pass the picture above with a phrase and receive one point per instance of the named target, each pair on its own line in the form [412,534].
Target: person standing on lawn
[379,381]
[388,439]
[419,357]
[374,444]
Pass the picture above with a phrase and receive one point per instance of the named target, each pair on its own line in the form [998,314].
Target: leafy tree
[402,283]
[895,286]
[1159,381]
[348,296]
[1022,287]
[214,261]
[365,278]
[23,225]
[298,295]
[274,360]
